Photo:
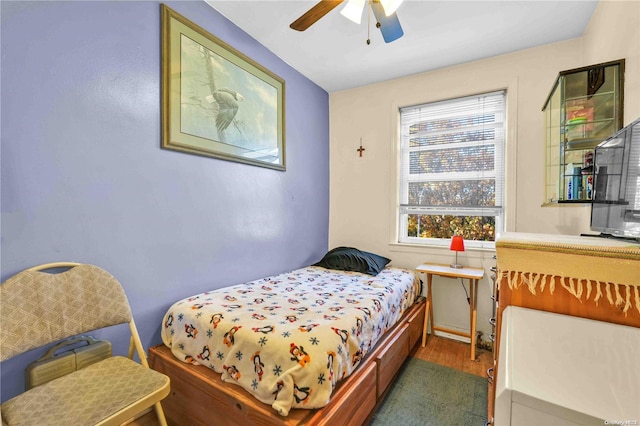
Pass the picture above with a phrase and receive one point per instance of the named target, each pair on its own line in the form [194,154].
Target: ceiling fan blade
[389,25]
[314,14]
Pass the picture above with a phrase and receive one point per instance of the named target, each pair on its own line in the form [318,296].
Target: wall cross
[361,149]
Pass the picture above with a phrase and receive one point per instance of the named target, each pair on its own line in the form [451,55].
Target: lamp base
[456,266]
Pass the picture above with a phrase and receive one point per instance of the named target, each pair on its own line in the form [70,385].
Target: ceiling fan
[383,10]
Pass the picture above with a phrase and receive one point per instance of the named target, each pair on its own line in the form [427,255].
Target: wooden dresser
[588,277]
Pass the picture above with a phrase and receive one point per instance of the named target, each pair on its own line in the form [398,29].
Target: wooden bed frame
[199,397]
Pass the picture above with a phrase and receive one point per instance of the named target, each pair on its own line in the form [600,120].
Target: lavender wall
[84,178]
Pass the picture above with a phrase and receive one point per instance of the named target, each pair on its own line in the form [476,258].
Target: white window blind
[452,170]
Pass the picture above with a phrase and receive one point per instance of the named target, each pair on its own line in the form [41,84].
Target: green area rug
[425,393]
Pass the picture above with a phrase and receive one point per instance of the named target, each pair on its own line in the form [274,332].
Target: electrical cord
[465,291]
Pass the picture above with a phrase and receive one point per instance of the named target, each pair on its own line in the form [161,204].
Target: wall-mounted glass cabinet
[583,108]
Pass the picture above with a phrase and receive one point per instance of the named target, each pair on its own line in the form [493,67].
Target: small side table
[473,275]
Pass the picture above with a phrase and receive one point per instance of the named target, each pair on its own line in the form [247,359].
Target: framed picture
[216,101]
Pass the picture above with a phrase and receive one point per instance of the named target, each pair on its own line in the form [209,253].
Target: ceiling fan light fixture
[389,25]
[353,10]
[390,6]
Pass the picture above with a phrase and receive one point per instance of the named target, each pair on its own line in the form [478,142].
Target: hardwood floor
[455,354]
[439,350]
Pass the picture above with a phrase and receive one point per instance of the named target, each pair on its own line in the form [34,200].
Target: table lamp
[457,244]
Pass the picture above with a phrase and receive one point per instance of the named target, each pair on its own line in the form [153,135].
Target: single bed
[288,341]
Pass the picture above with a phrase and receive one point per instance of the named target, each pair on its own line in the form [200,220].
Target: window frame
[500,168]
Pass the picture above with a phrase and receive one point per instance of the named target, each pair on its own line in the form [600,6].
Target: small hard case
[71,358]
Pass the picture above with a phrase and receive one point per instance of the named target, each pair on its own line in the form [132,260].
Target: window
[452,170]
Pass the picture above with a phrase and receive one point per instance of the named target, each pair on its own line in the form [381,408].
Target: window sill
[444,245]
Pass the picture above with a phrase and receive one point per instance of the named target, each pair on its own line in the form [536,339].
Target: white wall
[614,33]
[363,189]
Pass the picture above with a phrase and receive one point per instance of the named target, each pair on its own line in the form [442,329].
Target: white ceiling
[437,33]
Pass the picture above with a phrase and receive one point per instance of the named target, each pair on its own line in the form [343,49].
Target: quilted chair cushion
[86,396]
[38,308]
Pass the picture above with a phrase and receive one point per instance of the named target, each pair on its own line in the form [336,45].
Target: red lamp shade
[457,244]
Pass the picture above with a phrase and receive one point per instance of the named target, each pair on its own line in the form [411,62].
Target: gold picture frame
[216,101]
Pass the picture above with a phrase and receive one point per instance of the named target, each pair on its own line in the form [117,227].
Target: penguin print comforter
[288,339]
